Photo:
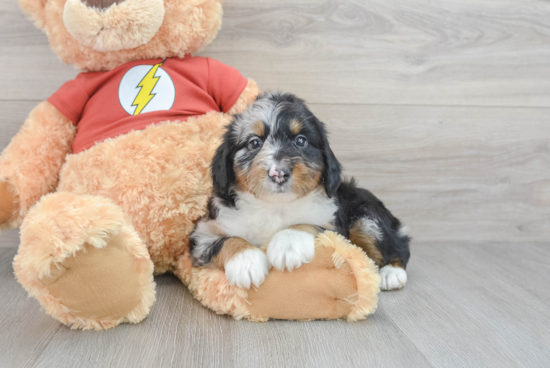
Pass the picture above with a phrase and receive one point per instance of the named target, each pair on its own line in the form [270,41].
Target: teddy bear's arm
[248,95]
[30,164]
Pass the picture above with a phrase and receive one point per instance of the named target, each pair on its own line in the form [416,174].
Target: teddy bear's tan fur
[96,226]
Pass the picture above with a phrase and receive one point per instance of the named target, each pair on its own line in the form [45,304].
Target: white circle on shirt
[146,88]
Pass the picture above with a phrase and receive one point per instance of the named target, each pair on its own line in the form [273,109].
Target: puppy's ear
[333,170]
[223,174]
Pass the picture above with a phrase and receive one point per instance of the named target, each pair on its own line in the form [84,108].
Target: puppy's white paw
[392,278]
[290,249]
[247,268]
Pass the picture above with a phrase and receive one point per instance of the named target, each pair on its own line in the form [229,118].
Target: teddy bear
[108,177]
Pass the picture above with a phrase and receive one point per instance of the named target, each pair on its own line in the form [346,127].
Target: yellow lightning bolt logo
[145,94]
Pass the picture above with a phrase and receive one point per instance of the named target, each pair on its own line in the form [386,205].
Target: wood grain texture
[458,310]
[441,108]
[349,51]
[380,52]
[9,238]
[473,305]
[28,67]
[450,173]
[25,330]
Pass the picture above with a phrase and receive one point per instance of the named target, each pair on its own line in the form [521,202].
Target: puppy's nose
[279,174]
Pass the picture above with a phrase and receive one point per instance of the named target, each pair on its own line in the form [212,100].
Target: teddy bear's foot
[84,263]
[340,282]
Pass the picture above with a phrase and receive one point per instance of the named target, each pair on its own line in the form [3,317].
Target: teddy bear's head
[103,34]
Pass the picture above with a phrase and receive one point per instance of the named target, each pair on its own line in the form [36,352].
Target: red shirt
[108,104]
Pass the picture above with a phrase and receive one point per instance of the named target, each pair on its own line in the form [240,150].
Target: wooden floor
[467,305]
[441,108]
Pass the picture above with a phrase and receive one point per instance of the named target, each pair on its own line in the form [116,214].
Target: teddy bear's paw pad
[316,290]
[392,278]
[247,268]
[97,283]
[289,249]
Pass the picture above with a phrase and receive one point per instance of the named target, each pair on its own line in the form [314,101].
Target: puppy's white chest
[257,221]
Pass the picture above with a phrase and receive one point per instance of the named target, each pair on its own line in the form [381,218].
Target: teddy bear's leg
[84,262]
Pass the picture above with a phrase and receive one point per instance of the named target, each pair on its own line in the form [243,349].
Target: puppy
[277,182]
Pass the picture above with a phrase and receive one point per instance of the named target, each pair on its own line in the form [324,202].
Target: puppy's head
[277,150]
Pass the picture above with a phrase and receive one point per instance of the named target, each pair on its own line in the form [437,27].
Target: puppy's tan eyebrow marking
[295,126]
[259,129]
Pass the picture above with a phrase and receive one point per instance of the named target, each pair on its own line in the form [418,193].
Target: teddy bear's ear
[36,10]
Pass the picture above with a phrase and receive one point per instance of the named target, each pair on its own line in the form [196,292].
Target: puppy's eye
[254,144]
[300,141]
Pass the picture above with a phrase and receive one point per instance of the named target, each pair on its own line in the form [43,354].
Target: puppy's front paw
[246,268]
[290,249]
[392,278]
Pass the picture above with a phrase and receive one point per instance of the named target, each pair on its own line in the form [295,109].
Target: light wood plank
[477,305]
[25,330]
[178,332]
[29,70]
[491,53]
[9,238]
[457,310]
[376,342]
[450,173]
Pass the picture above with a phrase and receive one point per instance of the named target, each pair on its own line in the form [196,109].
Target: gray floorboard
[458,311]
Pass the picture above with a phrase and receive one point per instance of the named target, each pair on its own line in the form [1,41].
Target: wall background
[442,109]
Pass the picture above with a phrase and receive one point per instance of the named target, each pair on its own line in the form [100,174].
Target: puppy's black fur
[268,132]
[355,204]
